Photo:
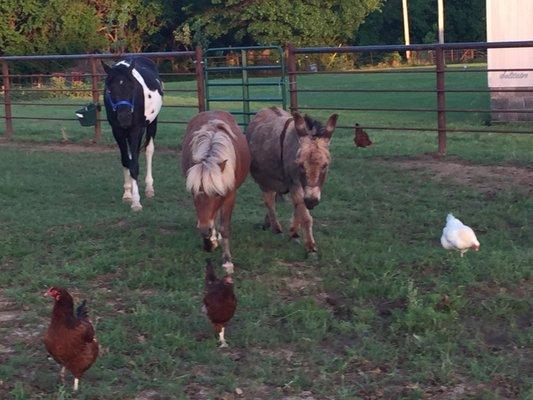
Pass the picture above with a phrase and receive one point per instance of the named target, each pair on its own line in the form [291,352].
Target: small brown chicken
[70,338]
[219,300]
[361,138]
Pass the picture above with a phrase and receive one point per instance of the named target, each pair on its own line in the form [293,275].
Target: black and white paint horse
[133,98]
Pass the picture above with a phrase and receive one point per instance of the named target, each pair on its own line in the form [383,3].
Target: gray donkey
[290,153]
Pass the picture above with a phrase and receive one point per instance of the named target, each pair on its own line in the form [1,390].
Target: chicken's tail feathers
[449,217]
[81,311]
[209,271]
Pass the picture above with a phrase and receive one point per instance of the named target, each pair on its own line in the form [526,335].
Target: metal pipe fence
[440,90]
[89,82]
[94,77]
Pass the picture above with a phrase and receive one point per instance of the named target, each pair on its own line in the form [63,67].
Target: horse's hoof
[127,199]
[229,267]
[295,239]
[276,228]
[149,193]
[136,207]
[266,223]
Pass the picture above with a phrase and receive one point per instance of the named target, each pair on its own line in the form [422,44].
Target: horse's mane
[213,155]
[313,124]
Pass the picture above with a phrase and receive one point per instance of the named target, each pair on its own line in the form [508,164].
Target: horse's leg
[271,219]
[295,226]
[125,160]
[149,180]
[225,228]
[134,141]
[126,197]
[304,217]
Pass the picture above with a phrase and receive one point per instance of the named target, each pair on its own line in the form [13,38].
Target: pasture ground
[383,313]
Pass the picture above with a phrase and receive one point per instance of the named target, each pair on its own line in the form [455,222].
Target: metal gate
[250,68]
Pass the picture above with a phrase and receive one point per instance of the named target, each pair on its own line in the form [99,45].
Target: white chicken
[457,236]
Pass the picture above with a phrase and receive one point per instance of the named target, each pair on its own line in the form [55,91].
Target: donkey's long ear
[299,124]
[106,67]
[330,125]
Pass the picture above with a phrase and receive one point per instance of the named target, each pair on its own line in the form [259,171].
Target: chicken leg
[223,342]
[63,374]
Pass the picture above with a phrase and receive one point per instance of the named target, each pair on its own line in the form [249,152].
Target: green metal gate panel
[246,82]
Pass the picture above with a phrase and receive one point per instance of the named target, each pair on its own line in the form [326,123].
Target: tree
[302,22]
[127,24]
[464,22]
[47,26]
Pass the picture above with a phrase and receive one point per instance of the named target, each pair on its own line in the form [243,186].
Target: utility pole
[406,28]
[441,20]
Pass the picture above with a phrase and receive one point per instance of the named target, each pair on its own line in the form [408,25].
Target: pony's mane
[211,146]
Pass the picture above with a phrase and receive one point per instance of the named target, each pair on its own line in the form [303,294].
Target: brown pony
[290,153]
[215,161]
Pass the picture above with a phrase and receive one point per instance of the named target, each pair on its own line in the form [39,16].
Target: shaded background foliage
[465,21]
[74,26]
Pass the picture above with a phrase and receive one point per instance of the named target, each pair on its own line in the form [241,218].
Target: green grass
[384,312]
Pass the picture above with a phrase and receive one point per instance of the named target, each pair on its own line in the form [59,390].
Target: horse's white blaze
[211,146]
[135,197]
[123,62]
[149,180]
[152,99]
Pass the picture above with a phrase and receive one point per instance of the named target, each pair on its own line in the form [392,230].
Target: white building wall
[510,20]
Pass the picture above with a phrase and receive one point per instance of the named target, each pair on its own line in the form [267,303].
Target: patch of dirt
[279,354]
[488,179]
[150,394]
[305,395]
[74,148]
[12,330]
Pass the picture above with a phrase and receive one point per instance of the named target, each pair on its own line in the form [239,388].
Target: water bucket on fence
[87,114]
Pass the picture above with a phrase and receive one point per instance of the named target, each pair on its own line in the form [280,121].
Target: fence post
[200,82]
[441,100]
[291,63]
[245,89]
[96,98]
[7,100]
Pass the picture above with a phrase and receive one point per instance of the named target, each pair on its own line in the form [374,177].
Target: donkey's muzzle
[311,202]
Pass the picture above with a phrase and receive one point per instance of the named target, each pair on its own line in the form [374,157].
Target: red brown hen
[361,138]
[70,338]
[219,300]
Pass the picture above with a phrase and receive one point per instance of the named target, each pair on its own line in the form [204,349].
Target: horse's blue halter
[114,106]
